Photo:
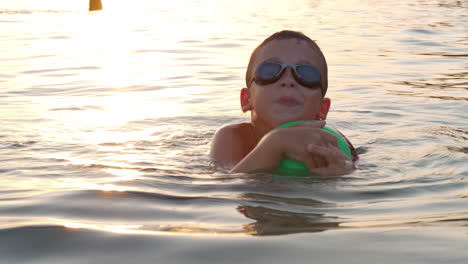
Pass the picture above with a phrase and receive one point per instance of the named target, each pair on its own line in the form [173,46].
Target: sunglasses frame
[297,76]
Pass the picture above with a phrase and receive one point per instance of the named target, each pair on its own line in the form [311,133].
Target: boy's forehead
[290,51]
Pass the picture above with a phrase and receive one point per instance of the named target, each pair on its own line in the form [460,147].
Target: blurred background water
[106,121]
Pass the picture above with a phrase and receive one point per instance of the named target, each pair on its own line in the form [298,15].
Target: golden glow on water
[156,230]
[103,83]
[107,187]
[109,228]
[117,110]
[83,4]
[123,175]
[109,183]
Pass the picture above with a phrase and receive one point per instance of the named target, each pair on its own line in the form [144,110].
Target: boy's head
[284,35]
[286,81]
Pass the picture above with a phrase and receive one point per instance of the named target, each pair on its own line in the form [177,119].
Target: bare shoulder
[241,130]
[231,143]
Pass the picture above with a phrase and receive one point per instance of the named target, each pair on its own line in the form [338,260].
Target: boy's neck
[259,130]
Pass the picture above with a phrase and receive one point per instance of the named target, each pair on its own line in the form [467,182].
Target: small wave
[10,21]
[174,51]
[458,149]
[77,108]
[111,144]
[453,132]
[422,31]
[20,144]
[61,69]
[445,54]
[29,12]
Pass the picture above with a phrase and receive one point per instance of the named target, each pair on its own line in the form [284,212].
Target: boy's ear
[245,100]
[324,108]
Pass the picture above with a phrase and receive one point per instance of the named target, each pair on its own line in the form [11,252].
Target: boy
[286,81]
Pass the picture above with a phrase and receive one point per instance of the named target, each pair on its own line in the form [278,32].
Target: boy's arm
[233,146]
[290,142]
[263,158]
[228,146]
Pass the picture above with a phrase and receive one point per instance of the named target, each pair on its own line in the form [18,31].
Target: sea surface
[106,120]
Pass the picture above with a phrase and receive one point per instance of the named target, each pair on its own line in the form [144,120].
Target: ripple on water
[72,69]
[18,144]
[422,31]
[400,98]
[78,108]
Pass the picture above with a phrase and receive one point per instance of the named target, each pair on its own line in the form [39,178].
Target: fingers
[330,153]
[313,162]
[310,163]
[319,134]
[330,138]
[337,163]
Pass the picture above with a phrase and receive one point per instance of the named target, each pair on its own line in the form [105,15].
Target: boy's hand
[293,142]
[337,162]
[308,143]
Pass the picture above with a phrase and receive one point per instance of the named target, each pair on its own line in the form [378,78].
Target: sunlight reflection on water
[107,118]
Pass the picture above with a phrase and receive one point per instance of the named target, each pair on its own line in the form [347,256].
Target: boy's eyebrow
[303,62]
[273,59]
[277,59]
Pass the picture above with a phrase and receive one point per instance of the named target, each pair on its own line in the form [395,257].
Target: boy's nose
[287,79]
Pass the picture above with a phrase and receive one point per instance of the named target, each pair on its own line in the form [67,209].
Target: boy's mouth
[287,101]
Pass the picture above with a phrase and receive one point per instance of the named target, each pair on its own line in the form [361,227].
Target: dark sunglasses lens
[309,75]
[268,72]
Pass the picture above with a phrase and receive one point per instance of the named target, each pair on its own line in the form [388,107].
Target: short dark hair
[289,34]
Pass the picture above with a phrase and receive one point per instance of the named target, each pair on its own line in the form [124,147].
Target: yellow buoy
[95,5]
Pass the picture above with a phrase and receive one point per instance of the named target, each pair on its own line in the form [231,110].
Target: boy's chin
[280,119]
[287,120]
[283,117]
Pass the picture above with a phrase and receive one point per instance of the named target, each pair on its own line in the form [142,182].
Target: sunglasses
[305,74]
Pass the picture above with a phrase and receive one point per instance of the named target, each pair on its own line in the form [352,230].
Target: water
[106,120]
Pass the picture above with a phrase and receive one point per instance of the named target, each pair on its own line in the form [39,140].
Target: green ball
[291,167]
